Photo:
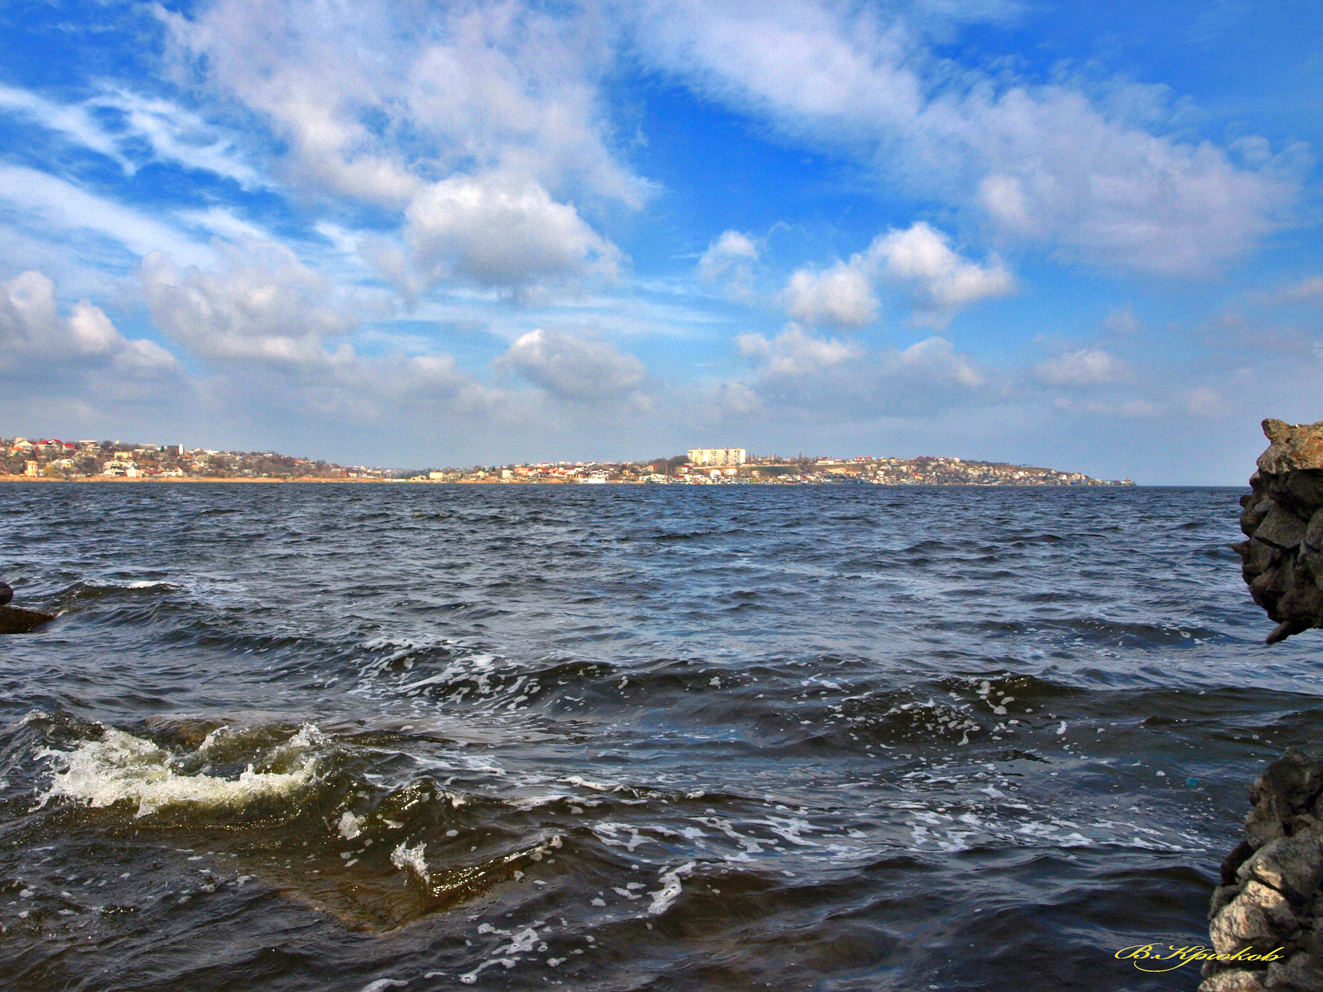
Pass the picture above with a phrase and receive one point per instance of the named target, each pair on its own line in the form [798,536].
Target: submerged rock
[18,621]
[1268,911]
[1283,519]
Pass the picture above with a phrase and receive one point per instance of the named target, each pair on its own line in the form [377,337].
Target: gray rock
[1259,917]
[1257,506]
[1232,981]
[1281,528]
[1300,971]
[1314,532]
[1291,865]
[1222,895]
[1271,896]
[1282,562]
[1287,788]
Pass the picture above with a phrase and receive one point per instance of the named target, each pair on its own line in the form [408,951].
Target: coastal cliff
[1267,915]
[1282,560]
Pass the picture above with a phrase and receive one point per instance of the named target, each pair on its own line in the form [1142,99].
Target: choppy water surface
[610,738]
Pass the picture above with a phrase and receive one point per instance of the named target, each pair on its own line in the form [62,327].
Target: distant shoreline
[194,480]
[184,479]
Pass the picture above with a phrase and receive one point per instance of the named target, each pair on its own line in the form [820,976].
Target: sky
[410,234]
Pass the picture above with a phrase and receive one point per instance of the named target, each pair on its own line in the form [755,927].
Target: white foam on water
[664,897]
[472,976]
[149,584]
[381,984]
[350,826]
[520,943]
[121,767]
[411,859]
[584,783]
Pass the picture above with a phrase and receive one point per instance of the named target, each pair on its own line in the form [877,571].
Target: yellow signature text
[1145,954]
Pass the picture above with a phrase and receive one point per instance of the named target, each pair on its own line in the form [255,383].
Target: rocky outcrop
[16,621]
[1283,518]
[1266,918]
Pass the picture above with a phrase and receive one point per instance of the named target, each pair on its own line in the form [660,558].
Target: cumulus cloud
[1043,164]
[505,235]
[936,360]
[919,261]
[1085,367]
[730,258]
[574,368]
[799,373]
[938,280]
[277,336]
[792,352]
[380,390]
[33,332]
[267,306]
[480,123]
[841,296]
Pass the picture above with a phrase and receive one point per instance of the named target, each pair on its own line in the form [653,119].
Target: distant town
[56,460]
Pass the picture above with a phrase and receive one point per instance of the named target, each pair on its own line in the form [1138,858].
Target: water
[614,738]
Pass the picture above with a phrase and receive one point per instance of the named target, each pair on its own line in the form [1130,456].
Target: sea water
[604,738]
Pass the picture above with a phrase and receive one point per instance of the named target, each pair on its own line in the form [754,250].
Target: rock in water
[17,621]
[1267,915]
[1283,518]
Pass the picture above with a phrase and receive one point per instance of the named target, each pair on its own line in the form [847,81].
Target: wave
[122,768]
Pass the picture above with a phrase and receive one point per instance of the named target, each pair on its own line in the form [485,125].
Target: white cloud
[730,258]
[377,98]
[173,134]
[267,306]
[1204,401]
[180,136]
[71,121]
[1305,291]
[1085,367]
[498,234]
[32,333]
[482,123]
[918,260]
[223,223]
[1123,321]
[939,281]
[792,352]
[50,204]
[837,297]
[937,360]
[1141,409]
[801,374]
[1043,164]
[574,368]
[278,336]
[1061,173]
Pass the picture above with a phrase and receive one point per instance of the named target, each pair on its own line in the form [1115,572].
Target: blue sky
[1079,235]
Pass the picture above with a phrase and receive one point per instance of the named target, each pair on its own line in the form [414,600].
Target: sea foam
[121,767]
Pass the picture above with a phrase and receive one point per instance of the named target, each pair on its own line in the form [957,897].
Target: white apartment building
[717,456]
